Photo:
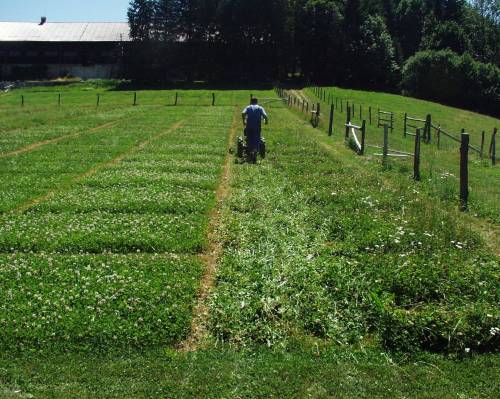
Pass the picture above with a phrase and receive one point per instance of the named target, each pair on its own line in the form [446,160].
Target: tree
[453,79]
[446,35]
[410,16]
[377,65]
[483,29]
[141,15]
[167,20]
[254,35]
[319,39]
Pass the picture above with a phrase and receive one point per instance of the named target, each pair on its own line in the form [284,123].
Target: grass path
[212,254]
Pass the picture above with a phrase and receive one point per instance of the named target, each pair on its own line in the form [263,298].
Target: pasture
[127,231]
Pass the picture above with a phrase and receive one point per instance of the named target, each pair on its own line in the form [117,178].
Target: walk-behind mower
[242,148]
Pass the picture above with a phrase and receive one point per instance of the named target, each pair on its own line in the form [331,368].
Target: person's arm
[244,117]
[264,115]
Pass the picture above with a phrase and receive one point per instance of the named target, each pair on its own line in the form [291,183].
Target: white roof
[64,32]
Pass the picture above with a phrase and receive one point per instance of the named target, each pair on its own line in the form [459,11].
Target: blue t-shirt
[254,114]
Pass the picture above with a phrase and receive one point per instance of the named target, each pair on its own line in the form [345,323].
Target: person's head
[254,101]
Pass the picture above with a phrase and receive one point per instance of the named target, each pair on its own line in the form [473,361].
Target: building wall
[20,61]
[52,71]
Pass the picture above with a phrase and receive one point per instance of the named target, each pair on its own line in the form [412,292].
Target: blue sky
[64,10]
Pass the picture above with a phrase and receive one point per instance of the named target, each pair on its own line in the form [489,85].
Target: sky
[64,10]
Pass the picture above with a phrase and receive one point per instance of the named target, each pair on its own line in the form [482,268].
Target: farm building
[56,49]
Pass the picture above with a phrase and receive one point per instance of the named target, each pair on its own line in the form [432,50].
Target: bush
[447,77]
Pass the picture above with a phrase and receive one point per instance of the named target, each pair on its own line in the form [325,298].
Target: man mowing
[252,118]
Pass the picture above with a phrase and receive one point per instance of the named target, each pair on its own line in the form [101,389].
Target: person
[252,117]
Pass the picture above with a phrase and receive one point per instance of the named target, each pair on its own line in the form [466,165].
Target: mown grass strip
[325,247]
[220,373]
[212,254]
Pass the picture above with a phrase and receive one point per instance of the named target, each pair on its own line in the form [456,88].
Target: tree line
[371,44]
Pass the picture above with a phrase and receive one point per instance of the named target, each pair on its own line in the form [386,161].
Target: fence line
[423,132]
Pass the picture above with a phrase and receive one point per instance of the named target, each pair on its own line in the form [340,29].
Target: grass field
[440,167]
[126,229]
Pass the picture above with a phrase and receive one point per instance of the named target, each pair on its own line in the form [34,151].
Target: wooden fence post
[392,121]
[307,107]
[347,121]
[493,147]
[135,98]
[464,171]
[428,126]
[330,126]
[176,98]
[416,158]
[22,101]
[481,154]
[370,114]
[341,105]
[404,125]
[213,99]
[98,99]
[438,137]
[353,115]
[59,99]
[363,137]
[385,149]
[318,107]
[303,105]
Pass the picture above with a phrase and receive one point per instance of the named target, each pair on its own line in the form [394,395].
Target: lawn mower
[242,148]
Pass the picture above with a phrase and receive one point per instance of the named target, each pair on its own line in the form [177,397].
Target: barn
[48,50]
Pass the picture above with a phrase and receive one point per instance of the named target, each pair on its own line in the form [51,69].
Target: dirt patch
[211,256]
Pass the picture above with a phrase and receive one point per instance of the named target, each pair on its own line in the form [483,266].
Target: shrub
[447,77]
